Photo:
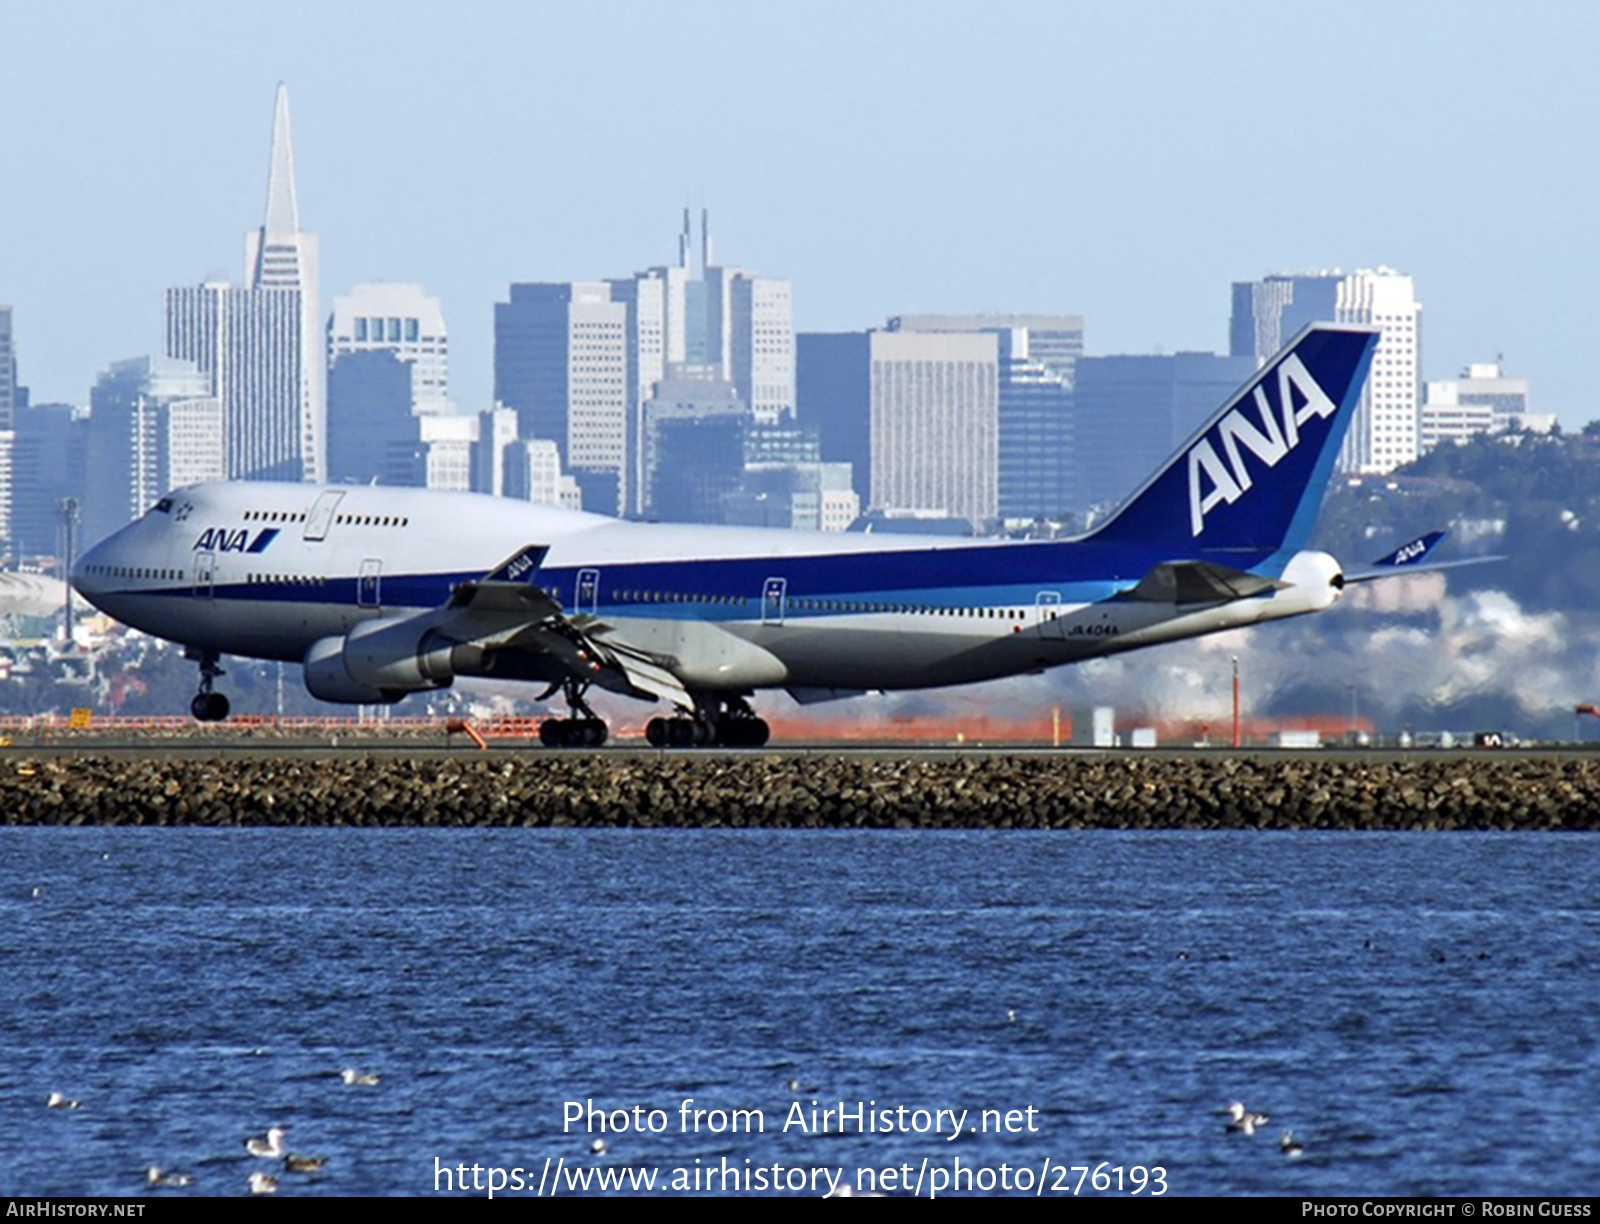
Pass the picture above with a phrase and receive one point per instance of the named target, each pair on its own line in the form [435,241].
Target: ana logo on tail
[1217,478]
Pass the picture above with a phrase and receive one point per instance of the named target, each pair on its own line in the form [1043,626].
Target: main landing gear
[583,730]
[208,705]
[727,724]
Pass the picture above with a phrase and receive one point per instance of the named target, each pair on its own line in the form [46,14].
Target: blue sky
[1125,162]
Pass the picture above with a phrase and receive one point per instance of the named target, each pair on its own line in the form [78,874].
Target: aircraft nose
[88,569]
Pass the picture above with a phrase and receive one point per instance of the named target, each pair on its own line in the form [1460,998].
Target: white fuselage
[267,570]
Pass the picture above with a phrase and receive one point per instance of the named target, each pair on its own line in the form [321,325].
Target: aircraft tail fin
[1251,479]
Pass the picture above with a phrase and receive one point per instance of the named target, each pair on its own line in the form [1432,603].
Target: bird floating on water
[155,1175]
[351,1076]
[269,1146]
[296,1163]
[56,1101]
[262,1183]
[1288,1146]
[1242,1120]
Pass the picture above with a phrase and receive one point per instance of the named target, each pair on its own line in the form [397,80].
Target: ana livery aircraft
[381,592]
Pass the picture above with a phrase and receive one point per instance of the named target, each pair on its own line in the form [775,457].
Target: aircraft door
[773,595]
[205,574]
[588,592]
[1048,605]
[369,584]
[321,516]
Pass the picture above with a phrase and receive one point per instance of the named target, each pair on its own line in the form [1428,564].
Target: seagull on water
[268,1147]
[351,1076]
[1242,1120]
[157,1176]
[261,1183]
[56,1101]
[1288,1146]
[295,1163]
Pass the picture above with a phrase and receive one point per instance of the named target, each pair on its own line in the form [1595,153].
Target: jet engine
[383,660]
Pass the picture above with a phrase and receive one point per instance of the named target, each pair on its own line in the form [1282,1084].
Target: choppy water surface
[1422,1010]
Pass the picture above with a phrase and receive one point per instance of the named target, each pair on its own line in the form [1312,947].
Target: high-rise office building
[1132,412]
[400,319]
[260,344]
[373,431]
[561,362]
[48,465]
[154,424]
[8,371]
[1038,354]
[935,403]
[1267,313]
[8,411]
[833,395]
[579,362]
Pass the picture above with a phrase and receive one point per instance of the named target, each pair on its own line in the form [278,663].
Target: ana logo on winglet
[1216,478]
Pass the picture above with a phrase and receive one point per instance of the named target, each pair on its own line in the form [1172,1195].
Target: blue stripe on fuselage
[978,576]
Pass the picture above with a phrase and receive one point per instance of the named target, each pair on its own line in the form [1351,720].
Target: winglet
[520,566]
[1252,478]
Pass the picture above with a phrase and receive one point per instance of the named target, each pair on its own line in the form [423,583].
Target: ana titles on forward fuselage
[381,592]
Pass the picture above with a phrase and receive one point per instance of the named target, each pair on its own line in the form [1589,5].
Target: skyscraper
[1267,313]
[260,344]
[935,422]
[1132,412]
[154,424]
[561,361]
[8,414]
[8,372]
[403,320]
[1038,354]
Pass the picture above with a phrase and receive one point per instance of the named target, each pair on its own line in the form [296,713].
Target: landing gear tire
[743,732]
[209,707]
[679,733]
[208,704]
[697,733]
[572,733]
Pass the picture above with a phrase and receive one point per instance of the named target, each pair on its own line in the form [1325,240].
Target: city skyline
[886,160]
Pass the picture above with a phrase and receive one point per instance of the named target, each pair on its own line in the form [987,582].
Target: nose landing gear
[208,705]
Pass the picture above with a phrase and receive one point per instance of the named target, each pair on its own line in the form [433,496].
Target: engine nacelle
[327,678]
[404,654]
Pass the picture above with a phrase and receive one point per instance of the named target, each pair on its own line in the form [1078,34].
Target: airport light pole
[70,514]
[1237,739]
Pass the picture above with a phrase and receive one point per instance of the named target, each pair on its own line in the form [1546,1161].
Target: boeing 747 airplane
[381,592]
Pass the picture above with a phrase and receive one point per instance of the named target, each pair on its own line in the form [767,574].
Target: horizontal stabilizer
[1408,559]
[1412,552]
[1186,582]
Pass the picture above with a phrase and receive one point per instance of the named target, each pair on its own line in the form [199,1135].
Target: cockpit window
[164,506]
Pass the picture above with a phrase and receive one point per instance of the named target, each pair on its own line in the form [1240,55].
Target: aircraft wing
[508,611]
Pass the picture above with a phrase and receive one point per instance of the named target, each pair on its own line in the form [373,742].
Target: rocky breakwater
[534,789]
